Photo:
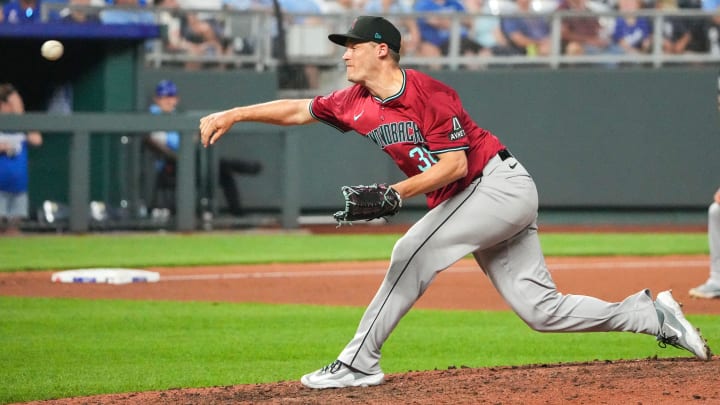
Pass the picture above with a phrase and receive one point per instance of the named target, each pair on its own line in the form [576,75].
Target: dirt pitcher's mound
[651,381]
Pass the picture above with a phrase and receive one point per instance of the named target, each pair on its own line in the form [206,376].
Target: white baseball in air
[52,49]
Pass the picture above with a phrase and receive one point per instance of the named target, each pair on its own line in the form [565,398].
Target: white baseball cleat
[338,375]
[707,290]
[675,330]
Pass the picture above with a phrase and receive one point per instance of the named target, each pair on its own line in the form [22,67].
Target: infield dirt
[463,286]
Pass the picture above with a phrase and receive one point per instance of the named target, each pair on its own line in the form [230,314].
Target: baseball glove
[368,202]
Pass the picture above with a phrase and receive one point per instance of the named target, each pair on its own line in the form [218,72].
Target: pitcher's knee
[538,321]
[539,315]
[405,248]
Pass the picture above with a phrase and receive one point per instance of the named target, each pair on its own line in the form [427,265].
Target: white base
[106,276]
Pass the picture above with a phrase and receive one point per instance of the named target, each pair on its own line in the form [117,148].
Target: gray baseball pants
[495,220]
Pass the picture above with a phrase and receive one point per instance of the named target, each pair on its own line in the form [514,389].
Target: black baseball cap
[370,29]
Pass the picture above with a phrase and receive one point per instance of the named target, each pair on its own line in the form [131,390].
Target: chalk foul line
[454,269]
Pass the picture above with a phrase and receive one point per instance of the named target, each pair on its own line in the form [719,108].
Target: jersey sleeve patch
[457,132]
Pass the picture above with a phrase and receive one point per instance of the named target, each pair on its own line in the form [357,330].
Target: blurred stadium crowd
[438,34]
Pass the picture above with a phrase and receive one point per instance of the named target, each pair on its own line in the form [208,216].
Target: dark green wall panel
[592,138]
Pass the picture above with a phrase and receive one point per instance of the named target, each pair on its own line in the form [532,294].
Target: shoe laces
[663,341]
[333,367]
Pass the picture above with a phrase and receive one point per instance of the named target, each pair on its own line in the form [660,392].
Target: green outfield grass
[54,348]
[141,250]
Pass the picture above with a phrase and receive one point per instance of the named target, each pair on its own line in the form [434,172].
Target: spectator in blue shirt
[527,35]
[127,16]
[247,4]
[14,173]
[435,30]
[486,29]
[21,12]
[632,33]
[300,6]
[710,5]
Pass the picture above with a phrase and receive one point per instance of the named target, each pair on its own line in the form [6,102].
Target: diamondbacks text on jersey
[412,126]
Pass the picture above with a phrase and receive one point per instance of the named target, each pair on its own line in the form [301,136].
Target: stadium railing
[82,126]
[307,43]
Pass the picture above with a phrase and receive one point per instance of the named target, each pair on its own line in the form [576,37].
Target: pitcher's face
[359,60]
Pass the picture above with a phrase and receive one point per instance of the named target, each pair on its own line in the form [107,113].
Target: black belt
[504,154]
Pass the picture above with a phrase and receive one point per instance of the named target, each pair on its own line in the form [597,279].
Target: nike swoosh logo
[356,117]
[512,166]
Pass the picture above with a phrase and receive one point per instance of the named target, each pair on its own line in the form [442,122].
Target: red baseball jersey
[424,119]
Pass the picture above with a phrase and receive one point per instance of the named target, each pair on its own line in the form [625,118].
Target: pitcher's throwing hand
[213,126]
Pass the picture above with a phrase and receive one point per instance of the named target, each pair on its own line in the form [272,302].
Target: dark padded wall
[602,138]
[209,91]
[605,138]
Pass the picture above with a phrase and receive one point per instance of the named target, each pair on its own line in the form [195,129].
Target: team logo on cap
[378,36]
